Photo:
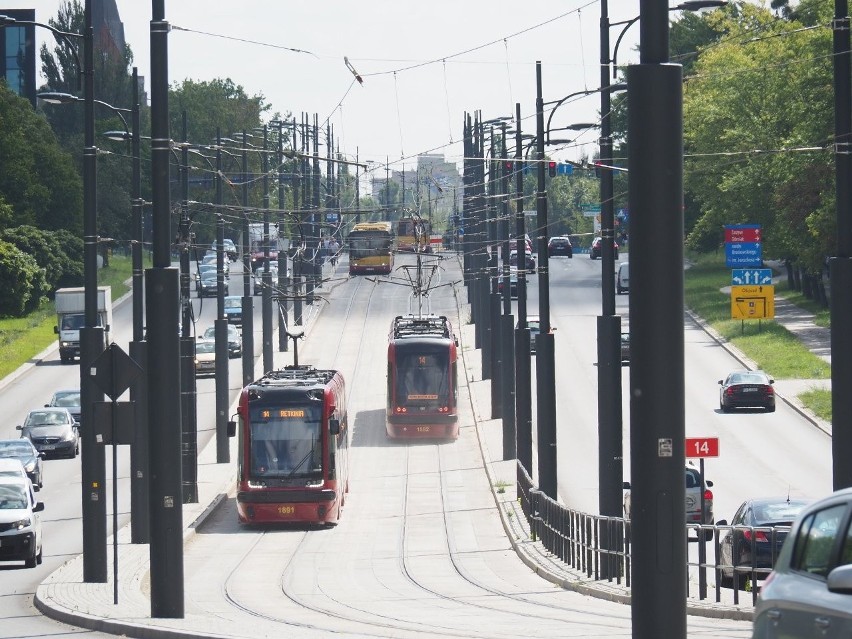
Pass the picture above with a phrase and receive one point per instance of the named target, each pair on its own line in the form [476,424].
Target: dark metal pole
[297,256]
[93,460]
[523,364]
[610,458]
[266,290]
[841,265]
[248,300]
[220,324]
[315,217]
[545,365]
[139,519]
[655,173]
[283,281]
[507,321]
[188,395]
[162,308]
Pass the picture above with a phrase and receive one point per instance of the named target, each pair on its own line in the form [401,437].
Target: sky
[423,64]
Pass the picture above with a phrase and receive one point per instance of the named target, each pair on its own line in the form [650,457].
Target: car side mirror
[721,381]
[334,426]
[840,580]
[39,506]
[56,330]
[709,483]
[19,427]
[47,405]
[232,428]
[625,485]
[722,522]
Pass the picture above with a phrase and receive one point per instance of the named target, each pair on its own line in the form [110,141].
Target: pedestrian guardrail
[600,547]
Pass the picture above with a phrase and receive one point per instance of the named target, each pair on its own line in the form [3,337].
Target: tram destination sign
[736,233]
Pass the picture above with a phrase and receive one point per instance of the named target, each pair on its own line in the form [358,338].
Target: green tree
[38,179]
[23,283]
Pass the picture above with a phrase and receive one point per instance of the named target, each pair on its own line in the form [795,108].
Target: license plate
[424,429]
[49,447]
[749,390]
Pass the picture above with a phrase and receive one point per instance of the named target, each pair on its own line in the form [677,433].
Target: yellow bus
[413,234]
[371,248]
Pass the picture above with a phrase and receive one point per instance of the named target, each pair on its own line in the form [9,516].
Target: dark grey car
[69,399]
[23,450]
[53,432]
[809,593]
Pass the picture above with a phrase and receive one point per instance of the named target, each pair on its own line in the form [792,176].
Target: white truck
[256,244]
[70,318]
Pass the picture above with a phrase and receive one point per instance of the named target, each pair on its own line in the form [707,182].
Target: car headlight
[68,436]
[30,466]
[26,522]
[65,344]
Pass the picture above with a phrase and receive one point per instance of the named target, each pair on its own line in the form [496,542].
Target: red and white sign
[736,235]
[702,446]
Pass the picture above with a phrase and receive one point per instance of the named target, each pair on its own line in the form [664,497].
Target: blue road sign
[743,254]
[744,276]
[564,169]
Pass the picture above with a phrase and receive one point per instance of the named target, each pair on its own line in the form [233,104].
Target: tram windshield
[422,378]
[286,441]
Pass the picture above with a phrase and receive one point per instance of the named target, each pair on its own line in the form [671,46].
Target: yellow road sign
[752,302]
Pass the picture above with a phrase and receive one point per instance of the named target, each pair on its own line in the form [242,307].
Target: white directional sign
[745,276]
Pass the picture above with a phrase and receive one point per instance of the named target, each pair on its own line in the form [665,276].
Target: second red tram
[293,447]
[422,378]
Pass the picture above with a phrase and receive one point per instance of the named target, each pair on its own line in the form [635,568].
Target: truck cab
[70,318]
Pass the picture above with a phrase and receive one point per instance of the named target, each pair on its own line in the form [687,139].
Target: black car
[560,246]
[53,431]
[69,399]
[23,450]
[235,341]
[747,389]
[750,548]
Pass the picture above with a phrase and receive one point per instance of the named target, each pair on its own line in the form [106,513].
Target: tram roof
[423,326]
[296,376]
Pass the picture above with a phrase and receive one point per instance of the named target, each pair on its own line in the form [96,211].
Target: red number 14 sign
[702,446]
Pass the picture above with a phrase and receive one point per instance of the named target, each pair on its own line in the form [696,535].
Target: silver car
[809,593]
[53,431]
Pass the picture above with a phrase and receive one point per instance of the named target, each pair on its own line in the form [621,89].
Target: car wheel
[724,408]
[39,556]
[31,562]
[770,409]
[725,581]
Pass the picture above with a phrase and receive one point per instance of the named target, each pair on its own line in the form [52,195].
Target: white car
[20,524]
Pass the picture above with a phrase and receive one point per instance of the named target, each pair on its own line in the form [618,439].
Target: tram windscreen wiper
[302,463]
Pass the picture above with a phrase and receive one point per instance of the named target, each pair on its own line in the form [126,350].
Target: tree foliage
[23,283]
[38,180]
[57,254]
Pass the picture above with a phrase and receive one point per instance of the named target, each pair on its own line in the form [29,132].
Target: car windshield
[71,398]
[15,448]
[205,347]
[748,378]
[778,511]
[233,302]
[12,496]
[73,322]
[46,418]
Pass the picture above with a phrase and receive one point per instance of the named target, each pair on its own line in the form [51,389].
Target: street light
[91,335]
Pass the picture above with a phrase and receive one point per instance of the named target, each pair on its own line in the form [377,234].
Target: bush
[22,281]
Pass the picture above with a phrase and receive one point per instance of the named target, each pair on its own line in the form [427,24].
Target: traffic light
[551,169]
[509,167]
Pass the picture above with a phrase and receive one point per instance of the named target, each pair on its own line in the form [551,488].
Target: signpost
[743,247]
[752,302]
[702,447]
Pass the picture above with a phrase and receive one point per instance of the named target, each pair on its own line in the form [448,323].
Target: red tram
[293,447]
[422,378]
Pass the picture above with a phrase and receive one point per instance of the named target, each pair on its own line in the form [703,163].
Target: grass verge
[769,344]
[22,338]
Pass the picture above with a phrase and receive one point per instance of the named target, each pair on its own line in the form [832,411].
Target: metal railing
[599,547]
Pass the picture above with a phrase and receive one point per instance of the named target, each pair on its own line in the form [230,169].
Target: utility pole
[545,364]
[283,279]
[657,415]
[841,265]
[610,455]
[189,430]
[248,300]
[315,226]
[266,276]
[162,308]
[507,327]
[297,204]
[523,364]
[220,324]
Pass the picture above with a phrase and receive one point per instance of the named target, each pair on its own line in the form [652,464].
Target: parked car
[528,258]
[622,278]
[694,488]
[560,245]
[752,546]
[234,309]
[809,592]
[69,399]
[23,450]
[597,249]
[235,340]
[20,523]
[747,389]
[53,432]
[205,357]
